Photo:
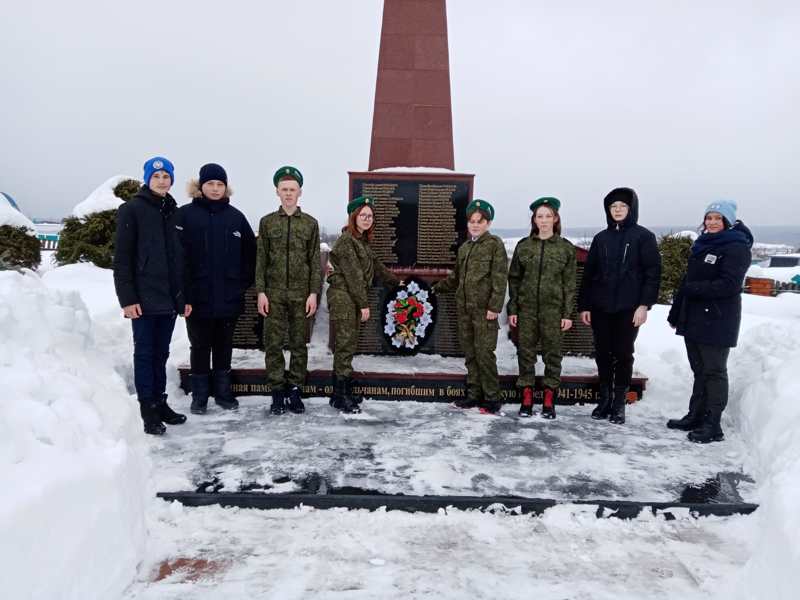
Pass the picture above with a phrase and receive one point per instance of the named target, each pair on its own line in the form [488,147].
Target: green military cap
[287,172]
[483,205]
[360,201]
[553,203]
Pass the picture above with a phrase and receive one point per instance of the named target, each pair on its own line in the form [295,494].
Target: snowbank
[11,216]
[784,274]
[73,460]
[101,199]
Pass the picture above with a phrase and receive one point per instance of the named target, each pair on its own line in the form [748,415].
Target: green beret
[481,205]
[553,203]
[287,172]
[360,201]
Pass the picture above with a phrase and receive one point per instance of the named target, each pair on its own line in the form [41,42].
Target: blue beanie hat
[158,163]
[727,208]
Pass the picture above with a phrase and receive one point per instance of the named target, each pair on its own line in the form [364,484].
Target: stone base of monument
[420,387]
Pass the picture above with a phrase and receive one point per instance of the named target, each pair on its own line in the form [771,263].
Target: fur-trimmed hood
[193,189]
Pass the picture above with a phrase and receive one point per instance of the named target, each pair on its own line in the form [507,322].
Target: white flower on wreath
[402,295]
[422,296]
[389,329]
[413,287]
[390,306]
[397,341]
[410,343]
[420,329]
[427,307]
[425,320]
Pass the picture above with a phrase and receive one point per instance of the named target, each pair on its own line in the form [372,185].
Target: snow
[79,486]
[784,274]
[11,216]
[101,199]
[74,464]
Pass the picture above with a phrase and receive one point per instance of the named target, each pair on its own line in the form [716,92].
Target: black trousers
[210,338]
[614,337]
[710,368]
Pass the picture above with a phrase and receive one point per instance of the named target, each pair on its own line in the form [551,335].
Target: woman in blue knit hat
[707,311]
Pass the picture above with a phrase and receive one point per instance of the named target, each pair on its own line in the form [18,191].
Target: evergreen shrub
[674,256]
[18,249]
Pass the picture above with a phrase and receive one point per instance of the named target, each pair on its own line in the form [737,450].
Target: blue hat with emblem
[727,208]
[155,164]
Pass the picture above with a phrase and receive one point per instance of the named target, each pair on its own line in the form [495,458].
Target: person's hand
[491,315]
[640,316]
[566,324]
[311,305]
[586,317]
[132,311]
[512,320]
[263,304]
[187,310]
[364,315]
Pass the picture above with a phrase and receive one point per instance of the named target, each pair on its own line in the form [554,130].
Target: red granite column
[412,125]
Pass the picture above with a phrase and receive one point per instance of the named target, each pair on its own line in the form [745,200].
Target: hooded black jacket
[147,254]
[707,308]
[623,269]
[219,257]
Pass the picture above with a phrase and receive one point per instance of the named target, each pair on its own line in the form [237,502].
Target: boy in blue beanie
[148,282]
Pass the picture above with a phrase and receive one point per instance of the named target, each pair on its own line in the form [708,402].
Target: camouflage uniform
[354,266]
[479,280]
[287,271]
[541,284]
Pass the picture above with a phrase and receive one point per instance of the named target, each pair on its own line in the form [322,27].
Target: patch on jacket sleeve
[711,259]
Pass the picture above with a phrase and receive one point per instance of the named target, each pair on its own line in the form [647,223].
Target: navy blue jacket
[707,308]
[219,250]
[623,269]
[147,254]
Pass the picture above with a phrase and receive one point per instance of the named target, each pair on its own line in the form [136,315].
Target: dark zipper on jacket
[288,234]
[539,292]
[466,265]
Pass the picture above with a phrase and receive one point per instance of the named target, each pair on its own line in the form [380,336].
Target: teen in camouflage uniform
[288,282]
[354,267]
[479,280]
[541,284]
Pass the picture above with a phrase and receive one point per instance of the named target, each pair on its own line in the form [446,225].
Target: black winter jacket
[707,308]
[623,269]
[147,254]
[219,257]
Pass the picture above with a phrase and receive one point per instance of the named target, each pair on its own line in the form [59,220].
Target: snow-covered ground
[78,518]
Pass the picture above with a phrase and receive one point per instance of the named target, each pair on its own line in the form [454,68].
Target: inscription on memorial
[247,333]
[418,223]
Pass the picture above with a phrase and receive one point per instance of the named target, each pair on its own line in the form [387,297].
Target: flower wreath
[409,316]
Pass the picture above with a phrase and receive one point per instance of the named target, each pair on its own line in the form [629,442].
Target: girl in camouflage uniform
[541,285]
[479,280]
[354,266]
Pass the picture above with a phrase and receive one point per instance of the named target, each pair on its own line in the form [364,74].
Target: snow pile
[784,274]
[764,401]
[101,199]
[692,235]
[11,216]
[73,459]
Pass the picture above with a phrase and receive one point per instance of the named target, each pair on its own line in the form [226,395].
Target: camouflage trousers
[286,320]
[543,330]
[478,338]
[346,319]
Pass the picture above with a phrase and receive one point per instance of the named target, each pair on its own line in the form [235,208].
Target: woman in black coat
[707,311]
[620,284]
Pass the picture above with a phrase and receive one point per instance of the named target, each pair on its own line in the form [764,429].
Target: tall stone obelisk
[412,123]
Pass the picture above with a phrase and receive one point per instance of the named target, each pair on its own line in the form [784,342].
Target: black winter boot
[223,395]
[691,420]
[337,398]
[167,415]
[491,407]
[617,415]
[711,431]
[349,403]
[526,406]
[149,411]
[278,406]
[603,408]
[296,405]
[200,391]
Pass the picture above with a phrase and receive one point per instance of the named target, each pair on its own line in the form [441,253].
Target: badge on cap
[158,164]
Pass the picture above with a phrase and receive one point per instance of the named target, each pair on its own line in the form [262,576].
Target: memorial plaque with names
[420,218]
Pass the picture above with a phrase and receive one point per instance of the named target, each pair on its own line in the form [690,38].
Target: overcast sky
[685,101]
